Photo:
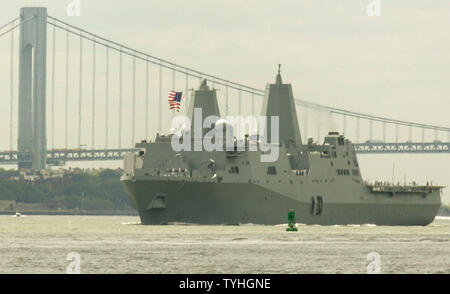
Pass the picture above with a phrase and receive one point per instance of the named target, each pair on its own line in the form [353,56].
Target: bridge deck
[60,157]
[407,147]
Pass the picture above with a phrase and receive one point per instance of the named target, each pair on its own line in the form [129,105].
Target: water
[119,244]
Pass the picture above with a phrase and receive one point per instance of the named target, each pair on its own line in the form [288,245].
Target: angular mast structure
[279,102]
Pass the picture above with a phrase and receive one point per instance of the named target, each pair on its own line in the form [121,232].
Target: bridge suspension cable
[80,90]
[9,22]
[120,98]
[159,100]
[53,87]
[66,98]
[14,26]
[173,88]
[369,117]
[239,102]
[226,100]
[11,106]
[253,104]
[147,77]
[186,81]
[93,94]
[107,98]
[133,111]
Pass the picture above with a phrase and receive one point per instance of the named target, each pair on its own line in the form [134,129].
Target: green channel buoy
[291,222]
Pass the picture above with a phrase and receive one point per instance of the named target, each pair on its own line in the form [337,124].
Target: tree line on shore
[94,191]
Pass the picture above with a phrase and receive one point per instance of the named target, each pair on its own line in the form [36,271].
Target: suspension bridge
[93,97]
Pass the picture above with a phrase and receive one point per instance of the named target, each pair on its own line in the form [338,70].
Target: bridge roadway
[60,156]
[406,147]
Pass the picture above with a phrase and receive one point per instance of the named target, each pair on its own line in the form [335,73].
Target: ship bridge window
[234,170]
[343,172]
[271,170]
[301,172]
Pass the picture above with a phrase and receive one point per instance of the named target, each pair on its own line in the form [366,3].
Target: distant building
[7,205]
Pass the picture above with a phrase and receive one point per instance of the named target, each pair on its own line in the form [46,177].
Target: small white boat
[18,214]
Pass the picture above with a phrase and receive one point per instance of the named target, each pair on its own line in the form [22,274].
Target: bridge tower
[32,88]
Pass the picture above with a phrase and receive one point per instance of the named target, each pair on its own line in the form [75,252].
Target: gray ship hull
[233,203]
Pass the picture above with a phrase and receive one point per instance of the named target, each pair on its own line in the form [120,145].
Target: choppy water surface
[40,244]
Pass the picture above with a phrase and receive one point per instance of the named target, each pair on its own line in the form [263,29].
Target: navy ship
[322,183]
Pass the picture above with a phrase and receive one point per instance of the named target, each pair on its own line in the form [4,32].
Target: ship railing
[384,188]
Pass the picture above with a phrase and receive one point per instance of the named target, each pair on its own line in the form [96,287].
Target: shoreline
[85,213]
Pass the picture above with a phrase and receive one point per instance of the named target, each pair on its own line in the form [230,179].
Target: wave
[131,223]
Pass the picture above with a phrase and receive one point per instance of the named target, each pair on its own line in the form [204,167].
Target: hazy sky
[395,65]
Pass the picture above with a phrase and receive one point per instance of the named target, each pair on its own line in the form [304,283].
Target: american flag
[175,100]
